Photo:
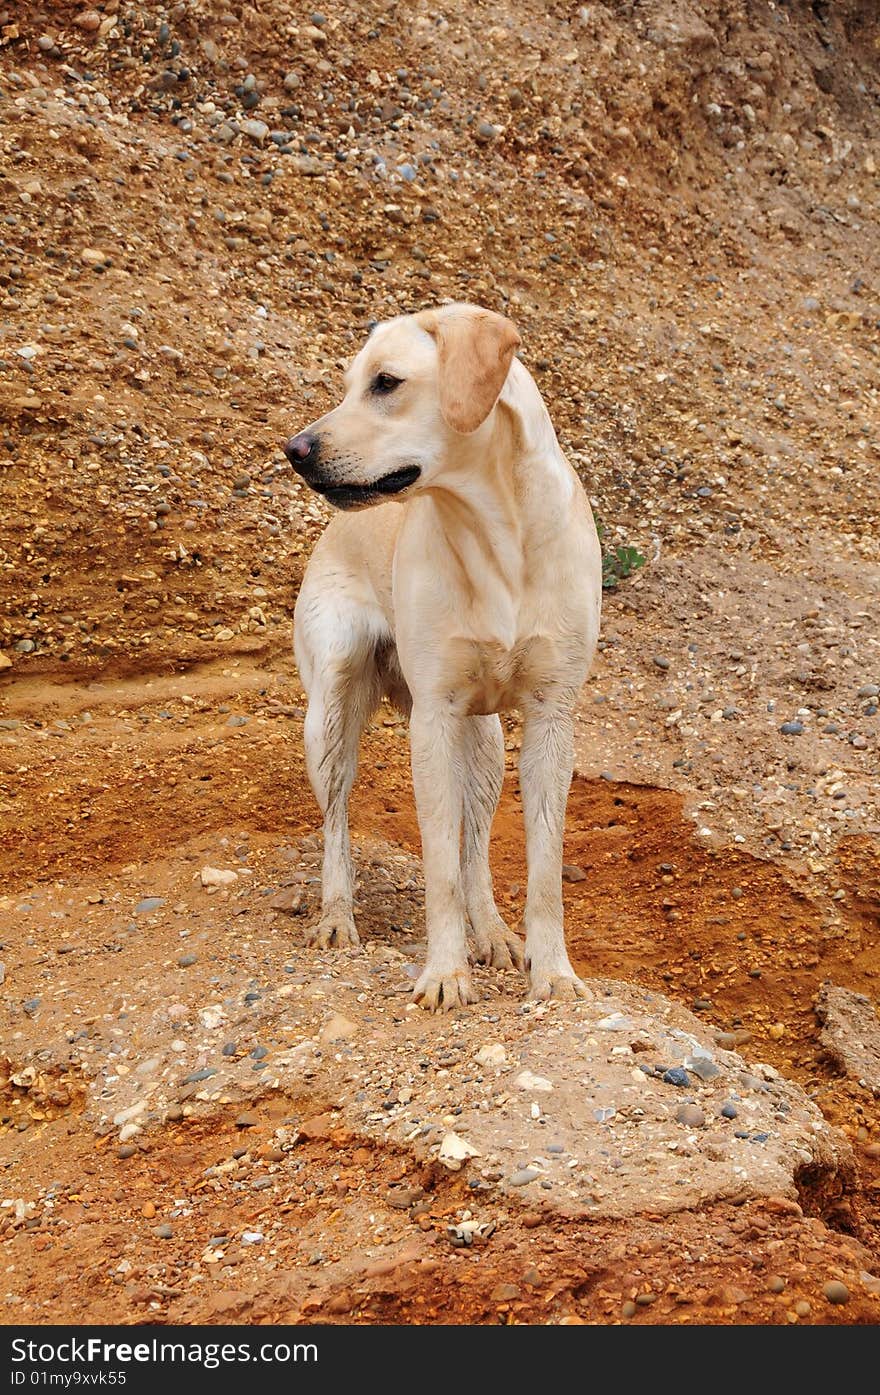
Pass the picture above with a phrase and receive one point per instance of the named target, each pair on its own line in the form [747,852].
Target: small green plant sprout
[619,562]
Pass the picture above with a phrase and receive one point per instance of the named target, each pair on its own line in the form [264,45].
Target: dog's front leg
[438,781]
[545,768]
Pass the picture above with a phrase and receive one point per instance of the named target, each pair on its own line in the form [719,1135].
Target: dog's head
[421,387]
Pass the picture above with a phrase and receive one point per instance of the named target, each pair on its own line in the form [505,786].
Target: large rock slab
[620,1105]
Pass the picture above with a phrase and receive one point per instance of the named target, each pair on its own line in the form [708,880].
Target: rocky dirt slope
[203,209]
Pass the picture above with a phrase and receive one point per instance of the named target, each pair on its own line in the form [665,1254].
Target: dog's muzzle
[304,453]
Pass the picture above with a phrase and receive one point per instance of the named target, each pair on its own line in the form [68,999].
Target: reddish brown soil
[679,208]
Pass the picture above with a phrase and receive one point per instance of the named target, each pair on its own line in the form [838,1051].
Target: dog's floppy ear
[474,351]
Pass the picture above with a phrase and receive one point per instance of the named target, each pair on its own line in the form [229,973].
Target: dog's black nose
[302,450]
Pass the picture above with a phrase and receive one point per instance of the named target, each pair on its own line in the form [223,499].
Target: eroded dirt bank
[203,211]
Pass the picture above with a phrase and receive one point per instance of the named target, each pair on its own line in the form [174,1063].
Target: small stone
[573,874]
[533,1083]
[186,960]
[775,1283]
[230,1048]
[455,1150]
[791,728]
[728,1111]
[523,1176]
[149,903]
[262,1183]
[91,256]
[195,1077]
[252,1237]
[31,1006]
[702,1067]
[504,1293]
[247,1121]
[802,1309]
[163,1231]
[660,662]
[217,876]
[835,1291]
[733,1296]
[486,132]
[691,1116]
[126,1150]
[257,130]
[676,1076]
[629,1309]
[290,900]
[492,1054]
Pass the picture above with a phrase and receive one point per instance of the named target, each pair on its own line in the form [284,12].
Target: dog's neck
[483,505]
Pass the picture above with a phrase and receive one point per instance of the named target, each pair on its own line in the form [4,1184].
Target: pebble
[257,130]
[803,1308]
[247,1121]
[660,662]
[217,876]
[149,903]
[163,1231]
[230,1048]
[629,1309]
[676,1076]
[835,1291]
[186,960]
[573,874]
[791,728]
[486,132]
[126,1150]
[775,1283]
[691,1116]
[523,1176]
[702,1067]
[492,1054]
[196,1076]
[252,1237]
[728,1111]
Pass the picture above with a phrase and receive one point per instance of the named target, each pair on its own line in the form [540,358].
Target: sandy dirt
[678,206]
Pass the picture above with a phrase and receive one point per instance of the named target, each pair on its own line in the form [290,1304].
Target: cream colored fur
[475,590]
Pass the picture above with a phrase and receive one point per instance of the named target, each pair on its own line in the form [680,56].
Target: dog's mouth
[350,496]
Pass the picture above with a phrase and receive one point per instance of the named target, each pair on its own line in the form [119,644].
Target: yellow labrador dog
[470,585]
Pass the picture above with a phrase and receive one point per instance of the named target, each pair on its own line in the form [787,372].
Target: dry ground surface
[202,211]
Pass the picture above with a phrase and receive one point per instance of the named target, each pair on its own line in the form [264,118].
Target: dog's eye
[383,383]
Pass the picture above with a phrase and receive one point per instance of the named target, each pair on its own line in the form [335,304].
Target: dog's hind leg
[483,753]
[336,655]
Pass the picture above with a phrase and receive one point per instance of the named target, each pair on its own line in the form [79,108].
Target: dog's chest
[492,677]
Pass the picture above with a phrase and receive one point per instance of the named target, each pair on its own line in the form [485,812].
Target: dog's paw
[564,985]
[499,947]
[335,930]
[443,992]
